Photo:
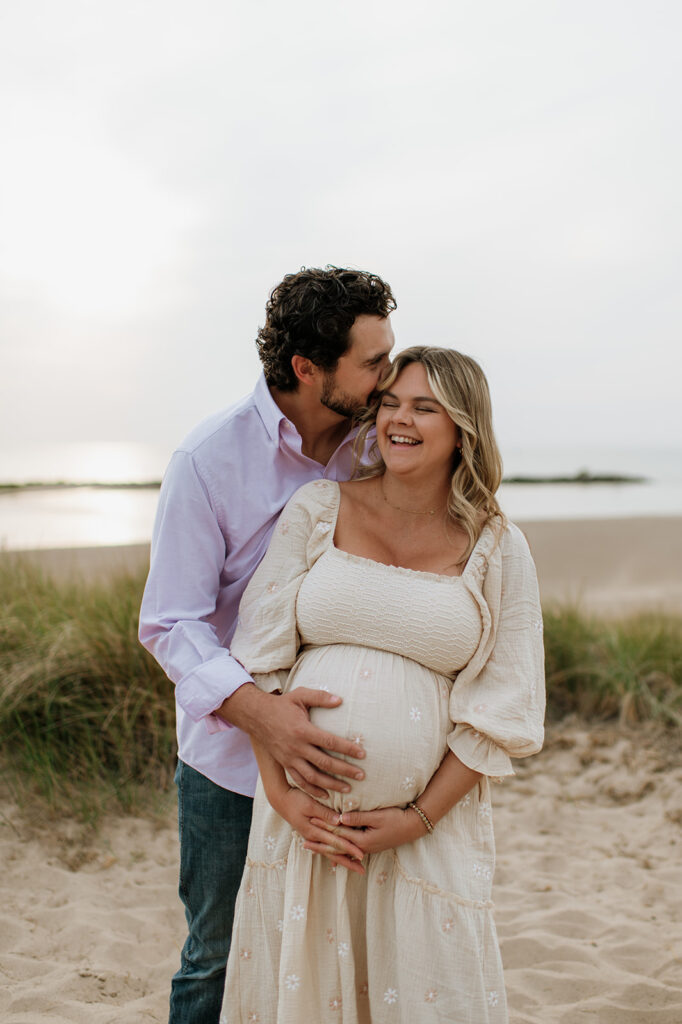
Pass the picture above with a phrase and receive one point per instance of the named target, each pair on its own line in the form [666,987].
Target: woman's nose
[403,414]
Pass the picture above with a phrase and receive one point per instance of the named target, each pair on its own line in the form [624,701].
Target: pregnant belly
[395,708]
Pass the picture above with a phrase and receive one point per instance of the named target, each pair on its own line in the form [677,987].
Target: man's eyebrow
[375,359]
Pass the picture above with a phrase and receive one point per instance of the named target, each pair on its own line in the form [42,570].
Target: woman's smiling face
[414,432]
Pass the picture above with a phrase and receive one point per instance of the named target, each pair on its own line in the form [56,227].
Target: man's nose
[384,369]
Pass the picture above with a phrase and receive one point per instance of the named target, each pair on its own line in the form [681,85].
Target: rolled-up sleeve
[499,709]
[188,555]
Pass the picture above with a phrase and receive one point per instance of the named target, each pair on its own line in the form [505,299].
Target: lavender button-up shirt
[221,496]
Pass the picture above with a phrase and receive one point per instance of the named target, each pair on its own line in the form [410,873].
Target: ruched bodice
[341,595]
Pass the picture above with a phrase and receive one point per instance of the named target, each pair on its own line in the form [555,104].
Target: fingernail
[359,775]
[335,700]
[346,789]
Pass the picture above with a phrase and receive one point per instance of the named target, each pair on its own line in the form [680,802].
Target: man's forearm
[245,707]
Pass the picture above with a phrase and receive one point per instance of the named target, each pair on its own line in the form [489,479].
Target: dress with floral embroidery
[423,663]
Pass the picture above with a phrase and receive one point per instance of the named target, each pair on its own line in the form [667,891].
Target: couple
[366,893]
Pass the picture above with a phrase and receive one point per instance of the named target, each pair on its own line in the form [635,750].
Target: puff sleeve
[266,640]
[498,700]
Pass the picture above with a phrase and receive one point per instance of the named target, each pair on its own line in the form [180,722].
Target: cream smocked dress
[423,662]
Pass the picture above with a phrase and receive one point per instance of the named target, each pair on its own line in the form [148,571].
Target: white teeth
[398,439]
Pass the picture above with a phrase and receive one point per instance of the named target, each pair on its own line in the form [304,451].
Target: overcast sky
[512,169]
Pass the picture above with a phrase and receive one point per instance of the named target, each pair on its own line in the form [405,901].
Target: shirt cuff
[203,690]
[478,752]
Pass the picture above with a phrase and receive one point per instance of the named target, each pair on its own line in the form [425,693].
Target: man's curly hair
[311,313]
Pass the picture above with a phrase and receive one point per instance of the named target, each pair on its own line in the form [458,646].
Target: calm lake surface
[93,516]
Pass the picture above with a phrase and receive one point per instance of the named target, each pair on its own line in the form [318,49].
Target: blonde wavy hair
[460,385]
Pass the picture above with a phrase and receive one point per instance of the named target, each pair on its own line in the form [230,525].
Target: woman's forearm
[450,782]
[271,772]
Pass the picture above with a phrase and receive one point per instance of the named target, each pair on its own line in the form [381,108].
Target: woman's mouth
[403,439]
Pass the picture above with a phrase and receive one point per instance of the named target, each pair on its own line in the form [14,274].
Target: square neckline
[389,565]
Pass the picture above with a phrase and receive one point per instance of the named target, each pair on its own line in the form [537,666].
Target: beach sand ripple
[589,881]
[588,894]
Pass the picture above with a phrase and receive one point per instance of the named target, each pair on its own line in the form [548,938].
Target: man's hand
[372,831]
[281,725]
[301,811]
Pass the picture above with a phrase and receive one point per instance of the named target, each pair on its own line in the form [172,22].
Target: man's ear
[306,371]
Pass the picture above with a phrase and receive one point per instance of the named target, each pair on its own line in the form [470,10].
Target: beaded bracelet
[427,822]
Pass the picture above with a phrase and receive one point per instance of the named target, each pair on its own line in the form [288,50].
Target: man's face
[348,389]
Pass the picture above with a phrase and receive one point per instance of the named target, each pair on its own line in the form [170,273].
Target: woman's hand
[318,826]
[389,827]
[373,831]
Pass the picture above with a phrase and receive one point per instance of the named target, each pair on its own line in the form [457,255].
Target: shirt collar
[273,418]
[268,410]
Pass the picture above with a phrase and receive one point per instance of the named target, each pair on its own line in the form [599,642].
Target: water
[660,495]
[76,518]
[83,462]
[89,517]
[85,517]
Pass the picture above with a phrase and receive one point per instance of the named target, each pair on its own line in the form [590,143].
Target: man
[324,348]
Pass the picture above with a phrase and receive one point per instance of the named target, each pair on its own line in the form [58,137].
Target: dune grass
[602,669]
[87,716]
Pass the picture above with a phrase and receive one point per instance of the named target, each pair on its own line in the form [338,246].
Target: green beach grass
[87,721]
[87,716]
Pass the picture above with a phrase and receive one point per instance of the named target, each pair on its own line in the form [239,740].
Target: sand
[89,564]
[90,927]
[588,895]
[609,566]
[589,834]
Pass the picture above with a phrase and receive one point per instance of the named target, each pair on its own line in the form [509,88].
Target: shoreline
[607,566]
[584,476]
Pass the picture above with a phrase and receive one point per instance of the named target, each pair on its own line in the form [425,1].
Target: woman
[408,594]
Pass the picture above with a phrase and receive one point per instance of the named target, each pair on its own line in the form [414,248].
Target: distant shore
[608,566]
[64,485]
[584,476]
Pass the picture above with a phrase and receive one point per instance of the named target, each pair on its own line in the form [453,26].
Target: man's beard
[340,401]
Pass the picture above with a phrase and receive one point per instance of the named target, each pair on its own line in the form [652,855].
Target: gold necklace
[411,511]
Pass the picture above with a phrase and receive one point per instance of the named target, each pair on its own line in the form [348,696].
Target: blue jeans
[214,831]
